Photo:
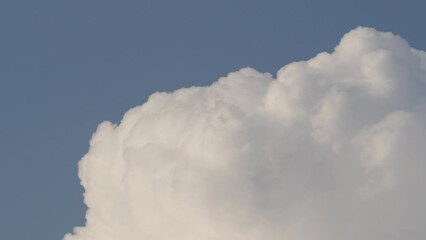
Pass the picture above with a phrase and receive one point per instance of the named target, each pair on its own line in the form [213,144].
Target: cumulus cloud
[331,148]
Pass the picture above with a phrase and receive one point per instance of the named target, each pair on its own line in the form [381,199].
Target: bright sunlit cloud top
[330,149]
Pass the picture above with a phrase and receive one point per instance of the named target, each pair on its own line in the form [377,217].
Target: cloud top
[330,149]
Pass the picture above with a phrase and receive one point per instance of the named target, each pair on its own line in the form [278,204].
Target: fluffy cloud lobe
[332,148]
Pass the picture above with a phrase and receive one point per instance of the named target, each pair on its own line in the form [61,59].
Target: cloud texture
[332,148]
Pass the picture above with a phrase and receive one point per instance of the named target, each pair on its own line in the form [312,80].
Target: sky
[66,66]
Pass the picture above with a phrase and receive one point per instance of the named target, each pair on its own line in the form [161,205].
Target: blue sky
[65,66]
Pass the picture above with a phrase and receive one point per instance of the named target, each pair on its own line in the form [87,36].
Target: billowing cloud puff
[332,148]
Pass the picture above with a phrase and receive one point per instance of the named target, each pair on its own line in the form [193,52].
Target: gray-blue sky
[65,66]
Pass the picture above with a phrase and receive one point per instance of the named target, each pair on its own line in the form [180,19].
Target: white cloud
[331,149]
